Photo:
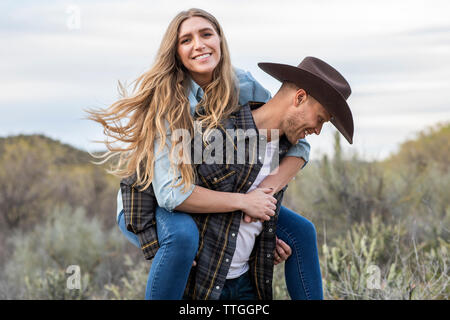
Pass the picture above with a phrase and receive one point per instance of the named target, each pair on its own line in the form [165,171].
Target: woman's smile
[199,48]
[202,57]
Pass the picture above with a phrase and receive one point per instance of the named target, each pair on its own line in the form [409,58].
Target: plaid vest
[218,230]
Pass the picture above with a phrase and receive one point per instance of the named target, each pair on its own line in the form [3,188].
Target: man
[240,255]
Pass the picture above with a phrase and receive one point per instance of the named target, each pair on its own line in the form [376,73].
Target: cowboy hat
[322,82]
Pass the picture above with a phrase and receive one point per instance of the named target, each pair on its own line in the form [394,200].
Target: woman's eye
[184,41]
[207,34]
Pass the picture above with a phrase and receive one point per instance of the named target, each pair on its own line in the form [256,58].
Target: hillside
[430,147]
[38,174]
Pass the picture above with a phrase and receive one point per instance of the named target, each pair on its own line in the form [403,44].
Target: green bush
[52,285]
[41,257]
[373,261]
[132,285]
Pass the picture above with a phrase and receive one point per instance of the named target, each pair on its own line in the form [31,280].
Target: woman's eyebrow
[206,29]
[200,30]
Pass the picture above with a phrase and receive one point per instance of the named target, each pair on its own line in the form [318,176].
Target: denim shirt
[170,197]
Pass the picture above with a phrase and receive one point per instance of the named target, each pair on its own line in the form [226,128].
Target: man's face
[304,119]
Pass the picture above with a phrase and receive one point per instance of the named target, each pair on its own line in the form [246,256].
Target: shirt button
[233,234]
[268,256]
[270,230]
[227,260]
[217,287]
[267,281]
[215,179]
[249,182]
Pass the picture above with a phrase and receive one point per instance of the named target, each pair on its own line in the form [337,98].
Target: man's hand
[259,205]
[282,251]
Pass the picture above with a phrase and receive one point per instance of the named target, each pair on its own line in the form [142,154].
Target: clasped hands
[261,207]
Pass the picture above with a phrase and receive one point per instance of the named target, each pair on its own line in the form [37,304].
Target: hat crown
[327,73]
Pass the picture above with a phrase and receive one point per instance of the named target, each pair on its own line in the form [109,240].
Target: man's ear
[300,96]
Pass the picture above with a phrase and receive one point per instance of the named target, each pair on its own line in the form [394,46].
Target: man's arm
[287,170]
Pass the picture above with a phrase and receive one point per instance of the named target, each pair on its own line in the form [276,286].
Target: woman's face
[198,48]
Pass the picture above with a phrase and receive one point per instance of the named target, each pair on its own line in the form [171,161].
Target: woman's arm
[258,204]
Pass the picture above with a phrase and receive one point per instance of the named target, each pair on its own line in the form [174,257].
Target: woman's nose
[198,44]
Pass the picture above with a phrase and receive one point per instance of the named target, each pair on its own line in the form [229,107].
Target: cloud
[395,54]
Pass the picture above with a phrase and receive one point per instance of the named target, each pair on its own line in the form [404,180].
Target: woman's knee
[302,226]
[309,230]
[177,230]
[187,237]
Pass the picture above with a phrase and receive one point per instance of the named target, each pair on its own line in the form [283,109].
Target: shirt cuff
[176,197]
[300,150]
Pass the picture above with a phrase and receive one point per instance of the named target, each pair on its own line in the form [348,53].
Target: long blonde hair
[160,97]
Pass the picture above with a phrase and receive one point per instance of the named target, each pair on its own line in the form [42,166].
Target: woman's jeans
[178,239]
[302,268]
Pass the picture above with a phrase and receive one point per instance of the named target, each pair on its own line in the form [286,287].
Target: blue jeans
[302,268]
[241,288]
[178,239]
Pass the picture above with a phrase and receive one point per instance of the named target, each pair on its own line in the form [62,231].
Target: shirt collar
[196,91]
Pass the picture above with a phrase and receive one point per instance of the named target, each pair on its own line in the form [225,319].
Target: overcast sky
[58,57]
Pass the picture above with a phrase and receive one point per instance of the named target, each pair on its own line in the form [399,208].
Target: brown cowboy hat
[324,83]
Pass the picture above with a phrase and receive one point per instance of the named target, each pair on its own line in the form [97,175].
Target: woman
[193,72]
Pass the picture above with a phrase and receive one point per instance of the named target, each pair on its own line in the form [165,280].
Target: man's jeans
[240,288]
[178,240]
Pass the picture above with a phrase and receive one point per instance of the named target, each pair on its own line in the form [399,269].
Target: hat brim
[323,92]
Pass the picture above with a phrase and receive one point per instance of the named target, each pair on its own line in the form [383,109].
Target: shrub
[373,262]
[41,257]
[132,284]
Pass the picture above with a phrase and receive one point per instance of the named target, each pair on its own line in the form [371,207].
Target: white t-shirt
[249,231]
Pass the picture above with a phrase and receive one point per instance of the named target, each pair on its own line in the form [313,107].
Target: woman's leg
[129,235]
[178,240]
[302,268]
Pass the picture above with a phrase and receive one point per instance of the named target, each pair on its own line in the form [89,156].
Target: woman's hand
[259,204]
[249,219]
[282,251]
